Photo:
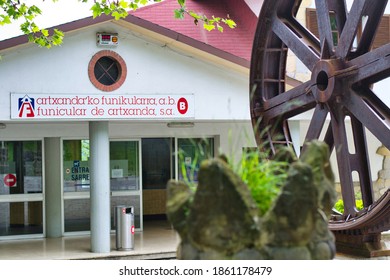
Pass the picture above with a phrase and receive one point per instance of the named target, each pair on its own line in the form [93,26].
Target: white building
[87,126]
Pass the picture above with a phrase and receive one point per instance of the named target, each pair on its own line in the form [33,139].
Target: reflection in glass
[20,167]
[191,152]
[20,218]
[124,165]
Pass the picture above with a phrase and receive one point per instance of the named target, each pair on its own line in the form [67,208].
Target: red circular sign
[10,180]
[182,105]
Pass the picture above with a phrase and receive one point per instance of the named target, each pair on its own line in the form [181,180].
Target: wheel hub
[324,79]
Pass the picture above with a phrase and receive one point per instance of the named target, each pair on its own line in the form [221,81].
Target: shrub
[339,206]
[263,177]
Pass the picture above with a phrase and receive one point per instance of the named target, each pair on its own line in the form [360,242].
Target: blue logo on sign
[26,107]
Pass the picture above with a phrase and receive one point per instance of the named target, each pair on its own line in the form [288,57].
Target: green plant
[263,177]
[189,170]
[339,205]
[191,153]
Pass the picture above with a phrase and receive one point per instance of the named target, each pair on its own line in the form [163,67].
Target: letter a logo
[26,107]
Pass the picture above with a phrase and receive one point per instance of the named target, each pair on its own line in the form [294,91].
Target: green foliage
[191,153]
[208,23]
[263,177]
[13,10]
[339,205]
[189,171]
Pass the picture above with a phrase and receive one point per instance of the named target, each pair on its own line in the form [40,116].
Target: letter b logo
[182,106]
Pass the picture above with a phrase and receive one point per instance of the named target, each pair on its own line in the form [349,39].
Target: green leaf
[116,15]
[208,26]
[133,6]
[57,40]
[123,4]
[181,2]
[58,32]
[30,37]
[230,23]
[194,15]
[96,10]
[29,17]
[45,32]
[11,11]
[106,10]
[5,20]
[35,28]
[25,27]
[179,14]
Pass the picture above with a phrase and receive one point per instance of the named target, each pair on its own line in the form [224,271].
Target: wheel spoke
[324,27]
[371,112]
[328,139]
[360,162]
[298,39]
[317,123]
[351,27]
[340,10]
[371,67]
[290,103]
[374,14]
[343,159]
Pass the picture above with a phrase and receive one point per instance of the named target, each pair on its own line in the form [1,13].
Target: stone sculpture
[220,219]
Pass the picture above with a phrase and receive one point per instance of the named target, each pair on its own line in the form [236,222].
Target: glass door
[21,188]
[125,182]
[189,155]
[156,171]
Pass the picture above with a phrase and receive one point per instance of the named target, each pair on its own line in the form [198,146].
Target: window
[107,70]
[382,36]
[21,167]
[312,24]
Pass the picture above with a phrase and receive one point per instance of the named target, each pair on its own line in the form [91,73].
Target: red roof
[234,45]
[237,41]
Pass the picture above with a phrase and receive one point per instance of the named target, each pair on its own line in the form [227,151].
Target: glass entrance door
[190,153]
[21,189]
[125,182]
[157,156]
[125,179]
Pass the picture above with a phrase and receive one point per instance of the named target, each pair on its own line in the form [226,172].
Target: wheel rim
[339,92]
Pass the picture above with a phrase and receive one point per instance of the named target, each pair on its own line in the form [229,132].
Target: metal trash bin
[124,225]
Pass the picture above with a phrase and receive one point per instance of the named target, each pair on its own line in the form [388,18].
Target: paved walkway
[157,241]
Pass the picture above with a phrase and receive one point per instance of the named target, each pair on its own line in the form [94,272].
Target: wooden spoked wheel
[343,71]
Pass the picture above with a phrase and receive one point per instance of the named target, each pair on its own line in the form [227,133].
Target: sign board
[101,106]
[9,180]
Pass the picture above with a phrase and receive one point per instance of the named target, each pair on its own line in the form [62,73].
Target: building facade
[107,119]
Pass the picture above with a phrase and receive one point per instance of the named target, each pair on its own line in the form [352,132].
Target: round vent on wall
[107,70]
